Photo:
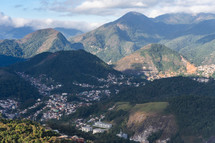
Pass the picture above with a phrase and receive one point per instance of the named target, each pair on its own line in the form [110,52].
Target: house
[87,129]
[56,131]
[80,140]
[102,125]
[122,135]
[98,131]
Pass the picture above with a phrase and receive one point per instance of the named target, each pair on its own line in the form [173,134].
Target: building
[102,125]
[56,131]
[122,135]
[98,131]
[87,129]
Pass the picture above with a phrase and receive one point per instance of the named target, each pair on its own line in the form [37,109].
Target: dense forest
[195,116]
[14,87]
[164,89]
[23,131]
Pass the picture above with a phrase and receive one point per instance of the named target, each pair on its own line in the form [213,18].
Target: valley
[136,79]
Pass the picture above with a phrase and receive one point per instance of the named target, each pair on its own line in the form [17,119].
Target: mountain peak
[40,33]
[44,40]
[130,16]
[134,13]
[47,30]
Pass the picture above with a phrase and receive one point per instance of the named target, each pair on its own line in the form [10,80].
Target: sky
[86,15]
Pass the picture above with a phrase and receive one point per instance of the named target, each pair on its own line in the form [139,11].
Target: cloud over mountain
[118,7]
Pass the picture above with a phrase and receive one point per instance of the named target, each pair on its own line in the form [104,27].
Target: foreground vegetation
[21,131]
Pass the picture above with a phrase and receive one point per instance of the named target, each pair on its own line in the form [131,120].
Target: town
[55,105]
[206,70]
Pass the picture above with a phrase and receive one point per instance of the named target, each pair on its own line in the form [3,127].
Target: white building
[98,131]
[102,125]
[122,135]
[87,129]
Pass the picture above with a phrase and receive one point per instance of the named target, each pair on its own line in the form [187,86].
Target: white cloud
[46,23]
[119,7]
[50,23]
[5,20]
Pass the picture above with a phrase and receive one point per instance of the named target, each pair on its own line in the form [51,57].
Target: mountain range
[190,35]
[191,38]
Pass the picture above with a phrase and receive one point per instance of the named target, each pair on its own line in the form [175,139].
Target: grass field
[151,107]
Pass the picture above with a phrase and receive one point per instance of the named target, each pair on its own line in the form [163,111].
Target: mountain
[67,68]
[68,32]
[132,31]
[8,60]
[42,41]
[37,42]
[184,18]
[155,61]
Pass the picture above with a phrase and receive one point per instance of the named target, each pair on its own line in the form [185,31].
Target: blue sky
[89,14]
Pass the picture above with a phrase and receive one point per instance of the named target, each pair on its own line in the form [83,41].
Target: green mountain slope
[199,49]
[155,61]
[10,48]
[14,87]
[67,67]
